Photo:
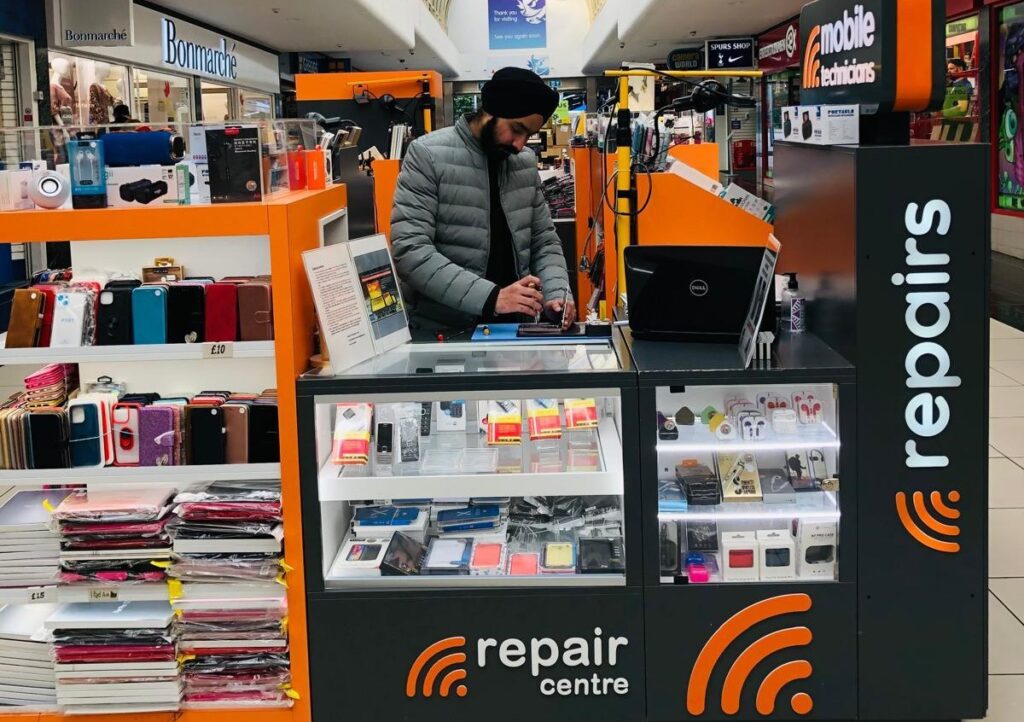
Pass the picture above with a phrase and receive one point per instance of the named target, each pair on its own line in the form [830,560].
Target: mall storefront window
[158,85]
[1009,109]
[778,57]
[959,121]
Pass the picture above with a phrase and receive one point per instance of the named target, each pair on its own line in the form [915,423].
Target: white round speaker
[49,190]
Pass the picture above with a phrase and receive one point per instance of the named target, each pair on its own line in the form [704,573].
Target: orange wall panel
[385,180]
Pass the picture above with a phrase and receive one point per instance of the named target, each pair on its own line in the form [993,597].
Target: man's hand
[523,297]
[553,309]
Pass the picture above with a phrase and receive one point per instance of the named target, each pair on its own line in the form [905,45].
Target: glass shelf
[748,484]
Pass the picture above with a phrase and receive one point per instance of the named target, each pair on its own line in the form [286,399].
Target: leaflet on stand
[358,302]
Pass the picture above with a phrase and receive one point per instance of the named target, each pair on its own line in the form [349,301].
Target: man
[471,233]
[958,89]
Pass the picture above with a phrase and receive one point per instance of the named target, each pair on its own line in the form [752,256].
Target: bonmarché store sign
[95,22]
[166,42]
[219,61]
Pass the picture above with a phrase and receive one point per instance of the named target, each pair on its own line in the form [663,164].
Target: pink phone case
[156,436]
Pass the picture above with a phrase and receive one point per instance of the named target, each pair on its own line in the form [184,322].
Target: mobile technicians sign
[886,55]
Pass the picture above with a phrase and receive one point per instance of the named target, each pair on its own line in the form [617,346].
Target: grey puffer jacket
[440,228]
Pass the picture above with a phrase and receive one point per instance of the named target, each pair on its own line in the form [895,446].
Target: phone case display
[165,307]
[495,538]
[231,625]
[26,656]
[452,489]
[111,535]
[128,651]
[457,437]
[104,425]
[748,480]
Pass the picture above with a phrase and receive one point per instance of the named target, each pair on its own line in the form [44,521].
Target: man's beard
[488,138]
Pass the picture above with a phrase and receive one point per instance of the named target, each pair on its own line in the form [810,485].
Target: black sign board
[730,54]
[686,59]
[850,54]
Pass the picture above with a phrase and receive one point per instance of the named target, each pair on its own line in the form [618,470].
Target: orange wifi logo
[768,693]
[812,59]
[439,666]
[935,525]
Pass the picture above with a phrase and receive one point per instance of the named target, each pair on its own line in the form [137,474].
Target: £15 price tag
[218,349]
[41,595]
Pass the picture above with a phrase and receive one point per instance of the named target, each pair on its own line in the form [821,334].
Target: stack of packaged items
[116,537]
[29,548]
[51,385]
[115,657]
[229,594]
[26,656]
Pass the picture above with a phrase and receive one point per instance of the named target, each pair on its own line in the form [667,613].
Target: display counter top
[802,357]
[486,363]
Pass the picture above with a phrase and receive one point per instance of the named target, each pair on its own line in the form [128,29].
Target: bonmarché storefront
[175,71]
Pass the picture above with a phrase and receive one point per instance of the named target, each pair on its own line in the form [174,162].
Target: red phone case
[49,298]
[221,312]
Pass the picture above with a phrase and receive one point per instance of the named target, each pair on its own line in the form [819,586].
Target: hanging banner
[517,24]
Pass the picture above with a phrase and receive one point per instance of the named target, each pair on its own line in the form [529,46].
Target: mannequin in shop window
[101,98]
[62,91]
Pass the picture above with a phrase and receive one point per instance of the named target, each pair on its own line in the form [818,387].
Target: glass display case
[472,465]
[748,484]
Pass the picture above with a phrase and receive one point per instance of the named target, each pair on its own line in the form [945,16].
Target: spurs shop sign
[885,55]
[572,667]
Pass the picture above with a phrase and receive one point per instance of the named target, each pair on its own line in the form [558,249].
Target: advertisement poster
[517,24]
[1010,170]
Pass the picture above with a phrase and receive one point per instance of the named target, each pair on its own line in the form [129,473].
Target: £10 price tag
[218,349]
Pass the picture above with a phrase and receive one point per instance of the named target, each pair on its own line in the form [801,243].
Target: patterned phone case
[157,436]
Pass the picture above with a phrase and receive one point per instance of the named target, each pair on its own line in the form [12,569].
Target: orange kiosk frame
[292,224]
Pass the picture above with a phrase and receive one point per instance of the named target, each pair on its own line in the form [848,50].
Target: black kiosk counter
[473,538]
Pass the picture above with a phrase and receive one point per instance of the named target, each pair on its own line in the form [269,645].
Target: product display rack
[402,617]
[694,371]
[281,228]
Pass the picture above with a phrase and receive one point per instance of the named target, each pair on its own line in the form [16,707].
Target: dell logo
[699,288]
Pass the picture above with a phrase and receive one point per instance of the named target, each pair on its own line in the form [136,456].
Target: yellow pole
[427,120]
[622,188]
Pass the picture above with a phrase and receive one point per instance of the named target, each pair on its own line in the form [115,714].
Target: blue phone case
[386,516]
[149,314]
[84,435]
[468,515]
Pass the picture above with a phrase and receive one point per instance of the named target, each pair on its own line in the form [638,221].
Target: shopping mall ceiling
[323,25]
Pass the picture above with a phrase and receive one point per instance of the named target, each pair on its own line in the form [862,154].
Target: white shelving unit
[339,483]
[144,592]
[139,353]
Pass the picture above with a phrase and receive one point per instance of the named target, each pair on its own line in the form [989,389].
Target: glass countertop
[483,358]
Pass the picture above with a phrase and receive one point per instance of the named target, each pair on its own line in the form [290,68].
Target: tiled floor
[1006,526]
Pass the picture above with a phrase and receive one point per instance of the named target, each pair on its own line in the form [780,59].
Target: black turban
[517,93]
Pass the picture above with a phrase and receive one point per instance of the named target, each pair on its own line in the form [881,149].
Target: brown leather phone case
[255,311]
[236,419]
[26,318]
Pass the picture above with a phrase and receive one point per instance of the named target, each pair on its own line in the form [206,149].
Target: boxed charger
[822,124]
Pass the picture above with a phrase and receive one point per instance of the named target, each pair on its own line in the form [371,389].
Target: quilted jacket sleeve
[546,256]
[413,229]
